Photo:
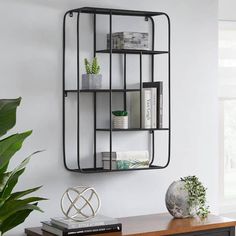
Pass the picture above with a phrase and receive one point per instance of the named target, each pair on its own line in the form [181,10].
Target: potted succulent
[187,198]
[120,119]
[15,207]
[92,79]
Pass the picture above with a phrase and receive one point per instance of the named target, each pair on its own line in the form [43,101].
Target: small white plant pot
[91,81]
[120,122]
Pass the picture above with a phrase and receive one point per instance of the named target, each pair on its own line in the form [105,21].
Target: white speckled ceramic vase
[120,122]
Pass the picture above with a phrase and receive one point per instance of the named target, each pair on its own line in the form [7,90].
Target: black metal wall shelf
[148,16]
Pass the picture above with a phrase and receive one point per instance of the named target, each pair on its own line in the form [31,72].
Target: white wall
[30,66]
[227,10]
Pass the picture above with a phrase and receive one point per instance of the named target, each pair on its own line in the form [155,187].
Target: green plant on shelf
[92,68]
[120,113]
[197,195]
[15,207]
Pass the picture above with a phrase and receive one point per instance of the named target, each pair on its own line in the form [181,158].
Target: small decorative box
[128,40]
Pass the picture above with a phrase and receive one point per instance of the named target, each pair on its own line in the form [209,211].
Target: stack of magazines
[126,160]
[63,226]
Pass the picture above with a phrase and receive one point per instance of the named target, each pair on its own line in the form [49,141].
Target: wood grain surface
[159,224]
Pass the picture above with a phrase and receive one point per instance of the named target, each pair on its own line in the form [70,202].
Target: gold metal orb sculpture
[80,203]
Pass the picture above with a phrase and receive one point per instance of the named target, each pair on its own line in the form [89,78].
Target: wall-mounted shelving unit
[148,16]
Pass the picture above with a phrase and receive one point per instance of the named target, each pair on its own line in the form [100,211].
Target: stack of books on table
[63,226]
[126,160]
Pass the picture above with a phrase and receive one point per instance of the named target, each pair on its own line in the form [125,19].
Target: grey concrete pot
[91,81]
[177,201]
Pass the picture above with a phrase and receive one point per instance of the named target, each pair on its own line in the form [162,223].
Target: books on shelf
[126,160]
[156,91]
[147,108]
[152,106]
[63,226]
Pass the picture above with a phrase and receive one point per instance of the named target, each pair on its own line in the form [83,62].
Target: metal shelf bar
[110,87]
[78,92]
[121,12]
[133,51]
[152,133]
[101,90]
[140,87]
[133,129]
[63,89]
[125,95]
[101,170]
[94,97]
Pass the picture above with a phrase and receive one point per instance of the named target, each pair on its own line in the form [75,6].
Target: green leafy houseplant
[197,195]
[15,207]
[120,113]
[92,79]
[92,68]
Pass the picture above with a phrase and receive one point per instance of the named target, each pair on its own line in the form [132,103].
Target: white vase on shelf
[120,122]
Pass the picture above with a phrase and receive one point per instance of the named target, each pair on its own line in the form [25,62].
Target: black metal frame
[148,16]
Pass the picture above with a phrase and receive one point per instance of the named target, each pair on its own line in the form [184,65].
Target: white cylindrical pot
[120,122]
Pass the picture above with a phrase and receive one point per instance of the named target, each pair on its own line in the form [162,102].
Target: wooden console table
[164,224]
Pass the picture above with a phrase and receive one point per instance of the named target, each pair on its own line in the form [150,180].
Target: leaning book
[156,107]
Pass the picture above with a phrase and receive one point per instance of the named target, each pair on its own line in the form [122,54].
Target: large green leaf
[3,180]
[8,114]
[9,146]
[20,194]
[14,176]
[11,207]
[15,219]
[11,183]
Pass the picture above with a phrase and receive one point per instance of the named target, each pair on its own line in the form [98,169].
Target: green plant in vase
[187,198]
[120,119]
[92,79]
[15,207]
[197,195]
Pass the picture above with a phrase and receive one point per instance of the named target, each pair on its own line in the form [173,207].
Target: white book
[146,108]
[133,155]
[127,155]
[154,107]
[71,224]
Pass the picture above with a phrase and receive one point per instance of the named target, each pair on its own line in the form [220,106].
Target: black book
[158,107]
[60,231]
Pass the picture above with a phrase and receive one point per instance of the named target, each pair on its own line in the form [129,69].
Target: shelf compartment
[133,129]
[120,12]
[101,170]
[132,51]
